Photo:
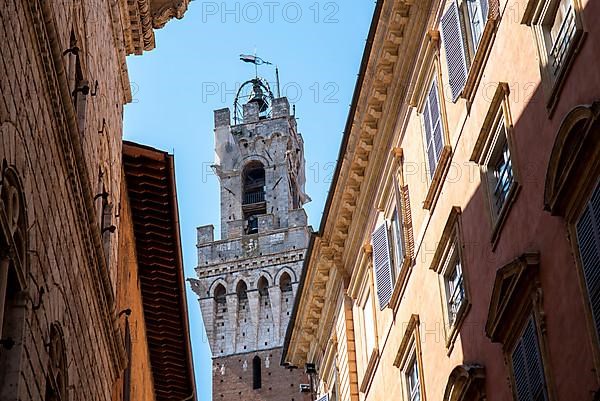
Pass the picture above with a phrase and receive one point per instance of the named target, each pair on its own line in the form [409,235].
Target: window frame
[475,52]
[592,322]
[516,297]
[435,177]
[369,358]
[483,154]
[540,16]
[511,350]
[450,248]
[408,353]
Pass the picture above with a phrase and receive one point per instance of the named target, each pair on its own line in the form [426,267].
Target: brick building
[459,254]
[75,323]
[247,280]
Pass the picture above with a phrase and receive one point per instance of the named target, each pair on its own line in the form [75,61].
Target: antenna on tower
[277,78]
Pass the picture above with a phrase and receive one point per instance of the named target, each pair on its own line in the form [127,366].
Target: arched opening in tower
[287,301]
[243,314]
[265,327]
[253,196]
[220,300]
[256,373]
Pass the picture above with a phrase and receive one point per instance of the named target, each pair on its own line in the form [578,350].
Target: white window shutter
[382,264]
[454,45]
[528,370]
[588,238]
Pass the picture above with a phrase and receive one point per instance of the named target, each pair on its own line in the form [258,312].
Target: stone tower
[248,279]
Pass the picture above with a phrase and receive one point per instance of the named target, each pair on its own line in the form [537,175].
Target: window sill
[437,180]
[454,329]
[515,188]
[480,59]
[370,371]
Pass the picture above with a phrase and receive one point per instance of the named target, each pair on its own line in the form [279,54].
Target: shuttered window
[588,239]
[528,371]
[382,264]
[434,142]
[454,45]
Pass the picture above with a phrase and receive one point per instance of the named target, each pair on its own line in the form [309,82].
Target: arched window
[285,283]
[256,373]
[220,308]
[56,377]
[242,291]
[263,287]
[220,295]
[13,262]
[253,201]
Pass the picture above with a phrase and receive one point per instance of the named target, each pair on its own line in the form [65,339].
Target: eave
[150,181]
[377,99]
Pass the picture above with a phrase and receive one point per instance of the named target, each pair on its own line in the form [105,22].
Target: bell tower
[247,280]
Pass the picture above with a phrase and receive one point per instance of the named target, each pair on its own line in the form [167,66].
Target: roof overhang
[150,182]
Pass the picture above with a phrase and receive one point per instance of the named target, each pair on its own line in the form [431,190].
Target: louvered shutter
[382,264]
[530,384]
[485,9]
[454,45]
[588,238]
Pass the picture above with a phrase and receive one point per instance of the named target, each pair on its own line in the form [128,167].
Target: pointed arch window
[56,376]
[256,373]
[13,246]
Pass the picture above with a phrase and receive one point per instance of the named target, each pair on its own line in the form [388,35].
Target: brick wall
[233,379]
[65,152]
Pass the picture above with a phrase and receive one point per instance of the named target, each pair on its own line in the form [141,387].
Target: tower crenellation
[247,280]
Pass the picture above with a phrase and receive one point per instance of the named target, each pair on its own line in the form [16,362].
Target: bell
[258,97]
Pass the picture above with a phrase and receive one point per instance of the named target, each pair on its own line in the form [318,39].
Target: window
[369,327]
[463,28]
[477,16]
[56,376]
[455,287]
[408,359]
[253,201]
[588,240]
[398,241]
[413,381]
[448,263]
[256,373]
[500,173]
[432,121]
[527,368]
[13,268]
[558,29]
[495,155]
[515,311]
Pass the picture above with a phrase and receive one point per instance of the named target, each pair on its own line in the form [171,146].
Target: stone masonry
[247,280]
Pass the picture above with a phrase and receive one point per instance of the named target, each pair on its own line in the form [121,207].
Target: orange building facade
[459,253]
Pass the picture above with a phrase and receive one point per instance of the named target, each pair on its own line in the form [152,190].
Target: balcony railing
[563,40]
[251,198]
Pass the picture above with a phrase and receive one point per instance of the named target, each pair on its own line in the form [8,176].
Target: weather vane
[254,59]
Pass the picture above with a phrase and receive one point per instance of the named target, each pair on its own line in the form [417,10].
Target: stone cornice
[379,100]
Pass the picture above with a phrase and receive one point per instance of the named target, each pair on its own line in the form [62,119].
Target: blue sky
[195,70]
